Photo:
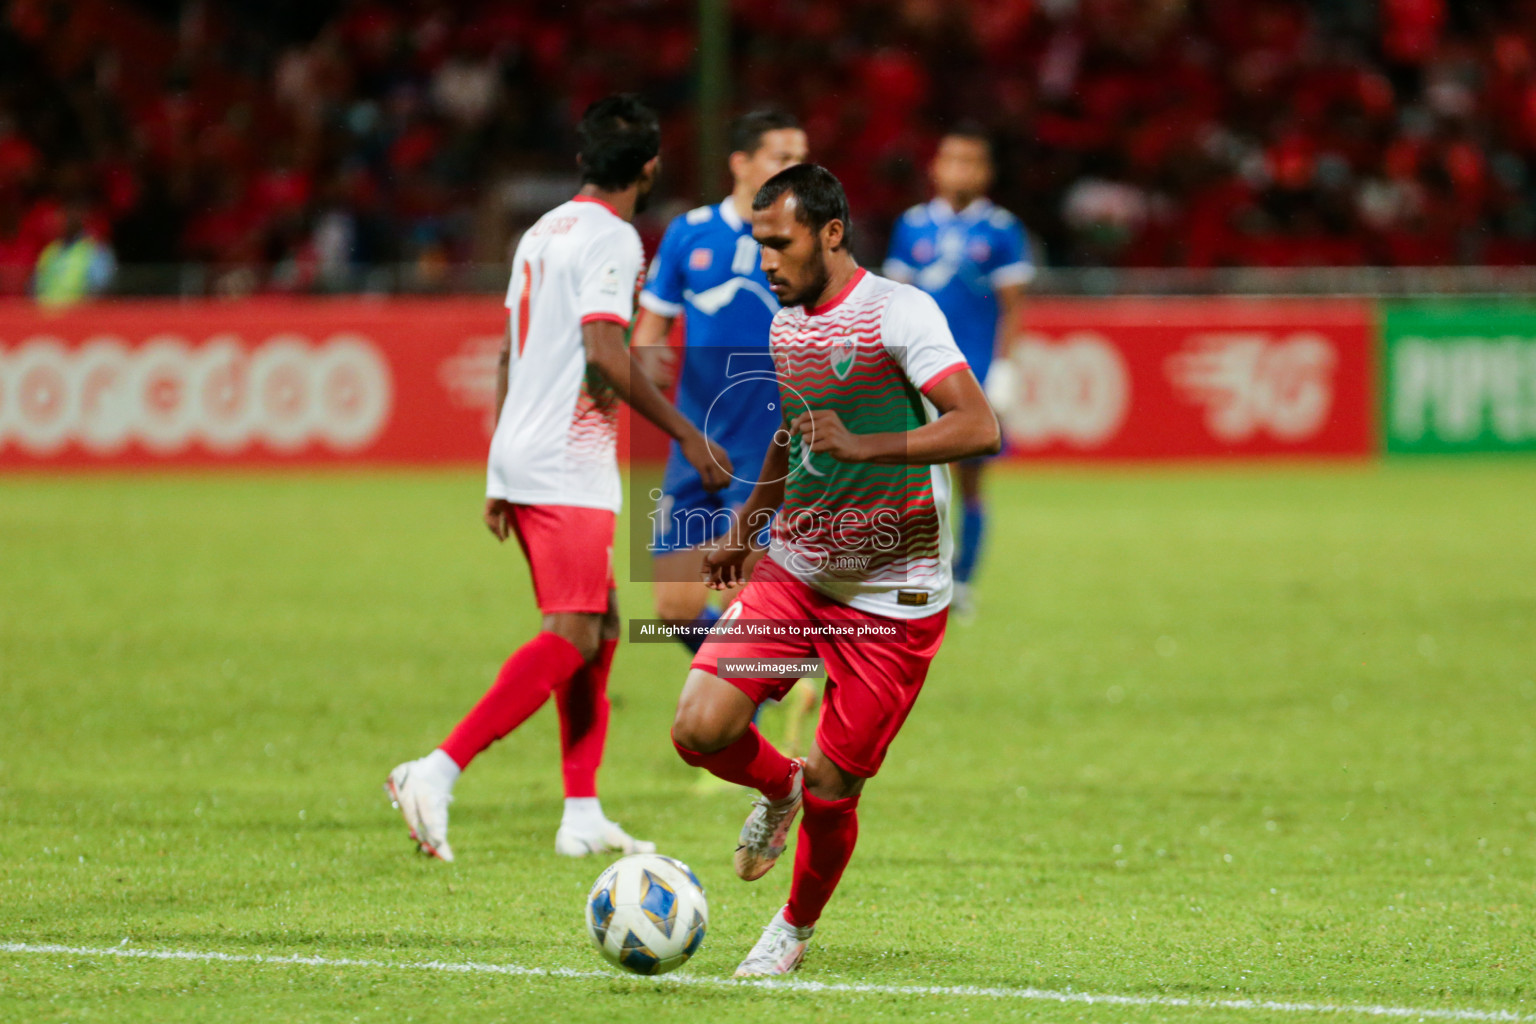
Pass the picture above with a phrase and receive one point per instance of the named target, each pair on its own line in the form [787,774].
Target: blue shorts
[687,515]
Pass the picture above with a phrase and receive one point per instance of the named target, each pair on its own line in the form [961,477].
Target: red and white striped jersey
[556,437]
[874,537]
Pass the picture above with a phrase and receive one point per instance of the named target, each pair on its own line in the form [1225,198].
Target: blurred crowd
[305,146]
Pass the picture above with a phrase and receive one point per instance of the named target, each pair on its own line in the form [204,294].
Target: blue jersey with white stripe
[961,259]
[708,270]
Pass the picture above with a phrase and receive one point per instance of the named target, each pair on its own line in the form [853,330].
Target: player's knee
[701,727]
[589,645]
[693,730]
[581,630]
[829,782]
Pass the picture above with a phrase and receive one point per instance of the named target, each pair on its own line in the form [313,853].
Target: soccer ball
[647,913]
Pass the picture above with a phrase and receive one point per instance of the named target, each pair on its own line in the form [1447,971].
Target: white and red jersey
[557,433]
[873,537]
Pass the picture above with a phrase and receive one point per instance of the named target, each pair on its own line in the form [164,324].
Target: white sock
[440,764]
[583,814]
[798,932]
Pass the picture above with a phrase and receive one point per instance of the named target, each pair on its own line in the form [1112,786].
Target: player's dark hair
[617,137]
[972,131]
[747,131]
[820,194]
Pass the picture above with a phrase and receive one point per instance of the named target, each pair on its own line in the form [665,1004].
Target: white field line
[788,985]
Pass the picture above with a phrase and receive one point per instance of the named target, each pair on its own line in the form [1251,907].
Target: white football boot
[766,830]
[779,951]
[422,797]
[607,837]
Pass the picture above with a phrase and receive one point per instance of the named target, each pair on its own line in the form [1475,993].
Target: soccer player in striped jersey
[876,399]
[552,478]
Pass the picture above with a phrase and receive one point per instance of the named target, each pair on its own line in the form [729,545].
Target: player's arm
[1012,270]
[917,338]
[503,366]
[898,256]
[661,303]
[1010,308]
[724,561]
[609,356]
[965,428]
[652,351]
[497,514]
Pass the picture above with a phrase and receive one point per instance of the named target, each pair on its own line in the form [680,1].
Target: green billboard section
[1459,378]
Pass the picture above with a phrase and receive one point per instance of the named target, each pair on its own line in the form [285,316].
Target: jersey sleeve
[898,256]
[663,294]
[610,269]
[918,338]
[1011,264]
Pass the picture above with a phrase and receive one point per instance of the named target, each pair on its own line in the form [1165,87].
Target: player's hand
[725,560]
[498,517]
[708,460]
[829,435]
[658,362]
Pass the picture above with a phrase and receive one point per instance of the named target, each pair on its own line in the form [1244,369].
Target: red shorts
[570,553]
[871,686]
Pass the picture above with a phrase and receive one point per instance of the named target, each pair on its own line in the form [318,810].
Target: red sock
[583,706]
[828,831]
[750,761]
[522,686]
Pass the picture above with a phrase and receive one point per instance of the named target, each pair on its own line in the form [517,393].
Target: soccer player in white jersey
[876,399]
[553,477]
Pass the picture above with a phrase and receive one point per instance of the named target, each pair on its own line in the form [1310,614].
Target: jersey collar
[729,215]
[837,300]
[600,202]
[940,210]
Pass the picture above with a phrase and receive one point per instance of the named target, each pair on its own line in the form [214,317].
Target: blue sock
[695,637]
[973,523]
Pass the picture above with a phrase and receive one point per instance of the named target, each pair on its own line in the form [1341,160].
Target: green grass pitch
[1219,733]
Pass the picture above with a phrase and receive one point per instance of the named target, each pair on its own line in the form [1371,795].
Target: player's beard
[816,280]
[643,193]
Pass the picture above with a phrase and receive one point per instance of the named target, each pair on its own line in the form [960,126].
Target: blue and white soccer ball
[647,913]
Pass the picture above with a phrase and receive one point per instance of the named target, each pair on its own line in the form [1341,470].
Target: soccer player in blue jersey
[973,258]
[708,271]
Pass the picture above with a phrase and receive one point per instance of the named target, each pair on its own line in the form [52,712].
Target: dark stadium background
[295,147]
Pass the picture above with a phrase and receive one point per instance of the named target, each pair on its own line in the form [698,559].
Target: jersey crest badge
[844,352]
[700,259]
